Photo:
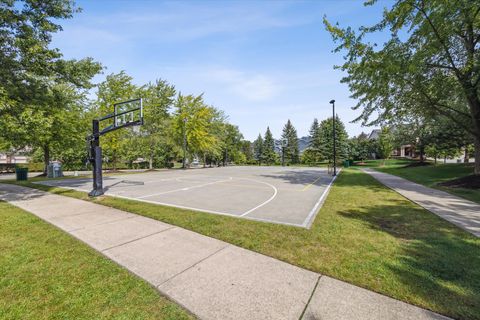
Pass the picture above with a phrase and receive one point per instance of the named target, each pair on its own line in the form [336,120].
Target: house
[404,151]
[9,158]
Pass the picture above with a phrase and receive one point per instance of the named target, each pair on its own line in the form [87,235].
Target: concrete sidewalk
[459,211]
[211,278]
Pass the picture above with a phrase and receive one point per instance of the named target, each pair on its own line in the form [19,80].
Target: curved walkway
[461,212]
[211,278]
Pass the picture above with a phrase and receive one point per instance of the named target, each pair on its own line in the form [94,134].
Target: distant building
[404,151]
[9,158]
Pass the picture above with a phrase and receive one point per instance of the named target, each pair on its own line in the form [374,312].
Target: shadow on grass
[438,262]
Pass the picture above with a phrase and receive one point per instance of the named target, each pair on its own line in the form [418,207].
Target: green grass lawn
[430,176]
[47,274]
[365,234]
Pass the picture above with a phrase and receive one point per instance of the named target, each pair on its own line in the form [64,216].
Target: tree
[158,98]
[326,139]
[314,146]
[258,149]
[41,95]
[26,32]
[194,121]
[268,148]
[359,147]
[247,149]
[289,134]
[385,144]
[432,69]
[231,139]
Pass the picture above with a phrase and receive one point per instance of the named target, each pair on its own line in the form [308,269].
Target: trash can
[21,174]
[346,164]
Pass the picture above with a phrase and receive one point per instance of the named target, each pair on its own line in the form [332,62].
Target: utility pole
[334,141]
[184,165]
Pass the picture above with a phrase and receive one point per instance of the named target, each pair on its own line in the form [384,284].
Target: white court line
[307,223]
[264,203]
[183,189]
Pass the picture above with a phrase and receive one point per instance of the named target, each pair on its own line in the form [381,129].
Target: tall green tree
[268,149]
[158,99]
[258,149]
[41,94]
[289,134]
[231,140]
[429,66]
[326,138]
[314,146]
[30,66]
[193,120]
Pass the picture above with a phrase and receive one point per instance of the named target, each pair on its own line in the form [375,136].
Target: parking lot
[283,195]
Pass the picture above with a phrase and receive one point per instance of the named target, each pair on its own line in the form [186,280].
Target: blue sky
[261,62]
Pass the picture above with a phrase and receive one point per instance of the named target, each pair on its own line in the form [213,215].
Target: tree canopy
[429,66]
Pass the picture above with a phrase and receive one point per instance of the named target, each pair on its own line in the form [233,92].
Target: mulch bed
[468,182]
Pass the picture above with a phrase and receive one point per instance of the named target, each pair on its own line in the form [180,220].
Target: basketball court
[282,195]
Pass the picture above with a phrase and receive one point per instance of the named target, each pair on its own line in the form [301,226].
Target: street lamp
[284,144]
[334,141]
[184,142]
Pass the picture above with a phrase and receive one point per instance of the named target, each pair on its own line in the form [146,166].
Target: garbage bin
[21,174]
[346,164]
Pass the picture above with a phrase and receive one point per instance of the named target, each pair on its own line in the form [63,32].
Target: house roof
[375,134]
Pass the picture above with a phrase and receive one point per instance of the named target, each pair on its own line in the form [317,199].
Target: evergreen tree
[291,149]
[258,149]
[314,145]
[326,139]
[269,154]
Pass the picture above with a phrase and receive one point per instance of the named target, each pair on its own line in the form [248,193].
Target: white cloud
[250,86]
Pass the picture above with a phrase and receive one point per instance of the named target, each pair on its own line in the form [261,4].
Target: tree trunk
[435,159]
[474,104]
[46,158]
[477,156]
[204,160]
[422,153]
[466,158]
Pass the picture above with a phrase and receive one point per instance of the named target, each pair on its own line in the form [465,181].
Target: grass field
[47,274]
[365,234]
[430,176]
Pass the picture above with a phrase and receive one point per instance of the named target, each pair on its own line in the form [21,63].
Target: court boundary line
[275,192]
[206,211]
[184,189]
[307,223]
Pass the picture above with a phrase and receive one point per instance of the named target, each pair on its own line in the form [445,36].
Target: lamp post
[184,142]
[284,143]
[334,141]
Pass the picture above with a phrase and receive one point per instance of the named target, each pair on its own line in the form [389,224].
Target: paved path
[211,278]
[459,211]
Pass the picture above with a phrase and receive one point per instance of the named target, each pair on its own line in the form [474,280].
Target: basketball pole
[334,141]
[96,151]
[94,139]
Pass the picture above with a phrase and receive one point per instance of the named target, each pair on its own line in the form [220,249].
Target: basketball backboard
[128,113]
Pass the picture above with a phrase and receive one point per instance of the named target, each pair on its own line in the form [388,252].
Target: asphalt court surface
[283,195]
